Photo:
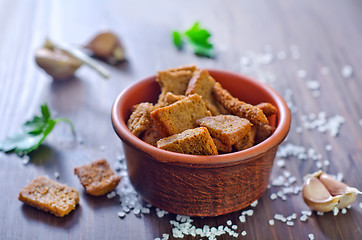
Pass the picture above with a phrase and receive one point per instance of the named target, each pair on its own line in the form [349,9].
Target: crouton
[267,108]
[195,141]
[172,98]
[174,80]
[151,135]
[202,83]
[140,119]
[222,147]
[180,115]
[247,141]
[239,108]
[97,177]
[227,128]
[263,132]
[50,196]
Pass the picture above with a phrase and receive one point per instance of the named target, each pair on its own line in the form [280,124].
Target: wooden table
[286,44]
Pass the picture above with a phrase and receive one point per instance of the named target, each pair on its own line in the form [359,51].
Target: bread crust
[50,196]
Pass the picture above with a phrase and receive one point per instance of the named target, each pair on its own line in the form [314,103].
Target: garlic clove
[348,197]
[57,63]
[107,45]
[334,186]
[322,192]
[317,196]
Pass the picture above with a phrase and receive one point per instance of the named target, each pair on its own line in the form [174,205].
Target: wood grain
[327,34]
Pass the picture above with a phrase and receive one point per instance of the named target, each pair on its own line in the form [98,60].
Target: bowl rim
[165,156]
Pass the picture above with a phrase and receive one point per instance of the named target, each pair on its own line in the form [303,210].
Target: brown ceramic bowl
[200,185]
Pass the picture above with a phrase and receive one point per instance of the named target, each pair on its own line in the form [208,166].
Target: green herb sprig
[197,37]
[33,133]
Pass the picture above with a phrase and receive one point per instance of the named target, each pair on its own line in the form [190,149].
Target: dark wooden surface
[314,35]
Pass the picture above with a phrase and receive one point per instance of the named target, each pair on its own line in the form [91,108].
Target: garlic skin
[107,45]
[57,63]
[322,192]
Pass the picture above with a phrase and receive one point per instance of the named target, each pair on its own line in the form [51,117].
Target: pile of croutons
[196,115]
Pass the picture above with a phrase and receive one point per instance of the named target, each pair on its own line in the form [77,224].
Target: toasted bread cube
[222,147]
[267,108]
[202,83]
[152,135]
[180,115]
[174,80]
[239,108]
[50,196]
[247,141]
[97,177]
[172,98]
[195,141]
[263,132]
[227,128]
[140,119]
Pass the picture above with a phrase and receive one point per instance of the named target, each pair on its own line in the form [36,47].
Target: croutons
[195,141]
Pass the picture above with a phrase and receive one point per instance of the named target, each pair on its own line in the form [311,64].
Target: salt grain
[335,211]
[121,214]
[313,85]
[25,160]
[243,233]
[344,211]
[111,195]
[320,213]
[254,204]
[242,218]
[347,71]
[290,223]
[56,175]
[271,222]
[328,147]
[281,163]
[229,222]
[307,212]
[311,236]
[234,227]
[319,165]
[326,163]
[303,218]
[273,196]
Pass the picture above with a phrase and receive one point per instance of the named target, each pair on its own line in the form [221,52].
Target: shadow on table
[97,202]
[67,222]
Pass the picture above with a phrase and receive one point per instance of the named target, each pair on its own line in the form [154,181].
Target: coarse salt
[347,71]
[344,211]
[303,218]
[254,204]
[311,236]
[313,85]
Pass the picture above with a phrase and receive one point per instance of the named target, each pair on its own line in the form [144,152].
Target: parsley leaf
[177,39]
[33,133]
[198,38]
